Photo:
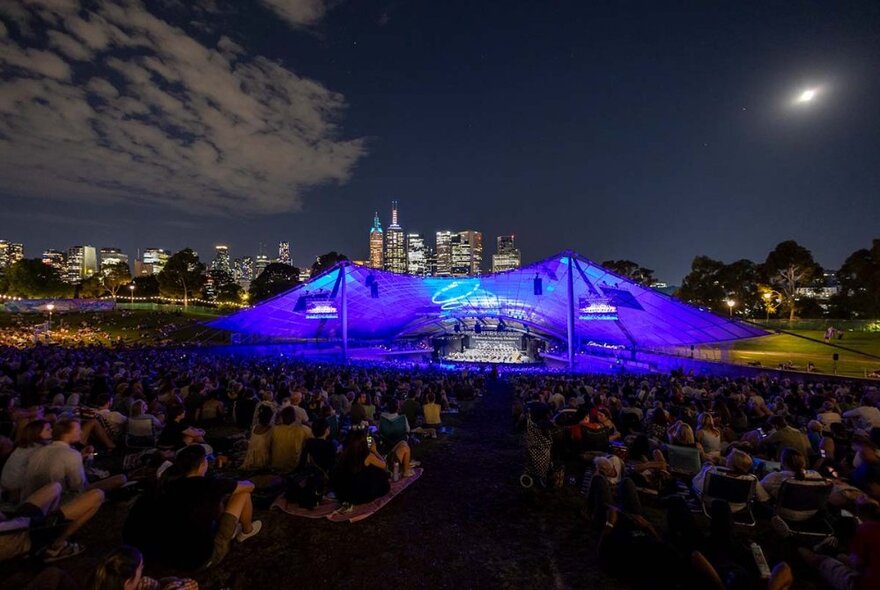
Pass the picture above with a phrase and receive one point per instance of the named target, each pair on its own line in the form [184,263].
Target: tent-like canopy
[565,297]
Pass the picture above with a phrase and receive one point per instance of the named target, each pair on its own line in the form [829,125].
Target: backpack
[306,487]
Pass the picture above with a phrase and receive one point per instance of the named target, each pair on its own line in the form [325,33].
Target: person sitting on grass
[193,534]
[40,509]
[36,434]
[738,464]
[260,443]
[58,462]
[319,451]
[123,569]
[393,428]
[361,474]
[288,438]
[177,432]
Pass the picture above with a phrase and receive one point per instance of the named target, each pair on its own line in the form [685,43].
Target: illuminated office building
[110,256]
[82,263]
[377,244]
[416,255]
[507,255]
[221,260]
[10,253]
[443,254]
[260,264]
[466,248]
[395,244]
[56,259]
[284,252]
[156,258]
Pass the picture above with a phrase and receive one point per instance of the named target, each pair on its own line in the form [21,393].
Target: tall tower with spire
[395,244]
[377,243]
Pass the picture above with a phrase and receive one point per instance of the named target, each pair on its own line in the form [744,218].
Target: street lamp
[730,304]
[50,307]
[768,296]
[131,290]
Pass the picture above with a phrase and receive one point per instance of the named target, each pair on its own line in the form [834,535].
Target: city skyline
[733,127]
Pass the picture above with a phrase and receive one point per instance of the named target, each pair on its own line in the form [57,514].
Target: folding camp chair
[803,496]
[730,489]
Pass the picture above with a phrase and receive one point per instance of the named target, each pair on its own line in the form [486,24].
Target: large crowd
[759,454]
[181,433]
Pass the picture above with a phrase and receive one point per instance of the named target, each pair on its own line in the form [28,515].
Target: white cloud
[298,12]
[161,118]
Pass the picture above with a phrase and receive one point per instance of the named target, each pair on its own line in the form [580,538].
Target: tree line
[786,284]
[184,277]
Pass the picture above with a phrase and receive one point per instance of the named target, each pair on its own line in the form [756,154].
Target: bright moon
[807,95]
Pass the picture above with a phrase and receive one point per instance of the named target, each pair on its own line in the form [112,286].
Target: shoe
[414,464]
[69,549]
[242,536]
[409,473]
[780,527]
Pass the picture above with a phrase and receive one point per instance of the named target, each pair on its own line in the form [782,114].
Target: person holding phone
[361,473]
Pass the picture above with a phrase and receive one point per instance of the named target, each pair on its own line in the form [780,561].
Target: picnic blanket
[362,511]
[322,510]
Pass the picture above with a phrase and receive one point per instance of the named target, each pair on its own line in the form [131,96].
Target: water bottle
[395,471]
[760,561]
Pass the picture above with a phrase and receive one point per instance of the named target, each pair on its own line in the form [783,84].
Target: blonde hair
[682,434]
[739,461]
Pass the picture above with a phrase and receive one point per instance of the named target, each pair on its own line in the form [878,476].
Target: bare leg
[403,454]
[781,577]
[242,508]
[47,498]
[92,428]
[80,510]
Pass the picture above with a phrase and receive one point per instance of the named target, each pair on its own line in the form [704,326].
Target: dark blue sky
[621,130]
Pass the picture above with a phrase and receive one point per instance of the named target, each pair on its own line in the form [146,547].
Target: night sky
[652,131]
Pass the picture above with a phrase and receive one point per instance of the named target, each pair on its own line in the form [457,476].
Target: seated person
[288,438]
[361,474]
[177,432]
[113,422]
[193,534]
[36,434]
[393,428]
[648,468]
[738,464]
[784,435]
[59,463]
[794,466]
[260,443]
[319,451]
[123,569]
[142,427]
[431,411]
[38,507]
[866,475]
[607,479]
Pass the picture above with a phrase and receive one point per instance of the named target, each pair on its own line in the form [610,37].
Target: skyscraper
[416,255]
[507,255]
[284,252]
[467,253]
[10,253]
[156,259]
[56,259]
[395,244]
[82,263]
[443,254]
[111,256]
[243,271]
[260,264]
[377,243]
[221,260]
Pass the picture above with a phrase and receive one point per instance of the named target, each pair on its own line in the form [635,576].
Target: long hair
[119,567]
[795,461]
[355,451]
[30,434]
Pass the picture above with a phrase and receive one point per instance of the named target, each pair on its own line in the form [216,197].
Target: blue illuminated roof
[609,309]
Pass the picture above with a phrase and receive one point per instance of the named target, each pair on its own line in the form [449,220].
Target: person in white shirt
[60,463]
[35,434]
[738,465]
[828,416]
[865,417]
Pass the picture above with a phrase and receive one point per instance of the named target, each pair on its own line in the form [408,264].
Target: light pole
[767,297]
[730,304]
[131,290]
[50,307]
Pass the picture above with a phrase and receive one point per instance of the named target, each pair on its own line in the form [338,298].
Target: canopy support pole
[343,272]
[570,314]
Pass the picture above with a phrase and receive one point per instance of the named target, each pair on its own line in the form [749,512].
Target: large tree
[145,286]
[739,280]
[275,279]
[631,270]
[325,261]
[702,286]
[182,276]
[29,277]
[789,267]
[90,288]
[859,278]
[116,275]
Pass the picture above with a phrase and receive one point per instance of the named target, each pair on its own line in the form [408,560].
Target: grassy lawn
[772,350]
